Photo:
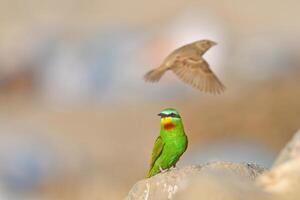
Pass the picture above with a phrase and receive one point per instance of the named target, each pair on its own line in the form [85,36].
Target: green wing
[157,149]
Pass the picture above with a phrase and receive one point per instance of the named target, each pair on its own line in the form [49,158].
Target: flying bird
[189,65]
[170,144]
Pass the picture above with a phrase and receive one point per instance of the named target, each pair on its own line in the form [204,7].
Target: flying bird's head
[205,44]
[170,118]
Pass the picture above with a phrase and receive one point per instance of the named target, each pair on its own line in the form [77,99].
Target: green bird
[170,144]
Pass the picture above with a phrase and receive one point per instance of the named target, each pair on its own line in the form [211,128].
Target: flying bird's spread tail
[154,75]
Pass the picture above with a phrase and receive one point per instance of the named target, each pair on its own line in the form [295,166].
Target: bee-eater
[189,65]
[170,144]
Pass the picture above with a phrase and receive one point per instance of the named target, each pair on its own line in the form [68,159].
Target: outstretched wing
[157,149]
[196,72]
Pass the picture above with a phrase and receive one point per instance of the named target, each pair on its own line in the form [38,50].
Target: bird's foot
[163,170]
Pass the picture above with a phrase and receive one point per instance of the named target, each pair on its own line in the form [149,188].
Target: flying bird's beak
[213,43]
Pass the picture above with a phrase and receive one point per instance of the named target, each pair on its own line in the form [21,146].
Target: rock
[283,180]
[227,181]
[221,186]
[161,186]
[290,151]
[166,185]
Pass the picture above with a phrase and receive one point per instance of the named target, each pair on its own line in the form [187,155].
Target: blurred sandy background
[78,122]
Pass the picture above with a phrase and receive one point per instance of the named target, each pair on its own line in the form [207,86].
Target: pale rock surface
[283,179]
[227,181]
[167,184]
[221,186]
[290,151]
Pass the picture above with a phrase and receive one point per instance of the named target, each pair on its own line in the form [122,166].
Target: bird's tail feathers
[153,171]
[154,75]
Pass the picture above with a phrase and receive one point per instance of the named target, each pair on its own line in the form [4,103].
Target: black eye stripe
[169,115]
[173,115]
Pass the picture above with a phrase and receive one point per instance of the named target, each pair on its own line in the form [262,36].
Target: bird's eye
[172,115]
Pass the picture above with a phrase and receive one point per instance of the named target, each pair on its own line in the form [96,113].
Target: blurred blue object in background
[27,158]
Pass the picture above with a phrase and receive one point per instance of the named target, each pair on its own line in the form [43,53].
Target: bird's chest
[175,146]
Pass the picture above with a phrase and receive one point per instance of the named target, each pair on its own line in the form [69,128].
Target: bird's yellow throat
[167,122]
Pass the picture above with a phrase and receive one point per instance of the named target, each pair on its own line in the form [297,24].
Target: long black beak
[162,115]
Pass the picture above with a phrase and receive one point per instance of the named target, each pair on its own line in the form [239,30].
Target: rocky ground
[223,180]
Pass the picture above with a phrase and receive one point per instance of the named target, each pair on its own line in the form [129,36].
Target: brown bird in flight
[187,63]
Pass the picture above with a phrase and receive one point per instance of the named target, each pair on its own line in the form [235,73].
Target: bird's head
[169,118]
[205,44]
